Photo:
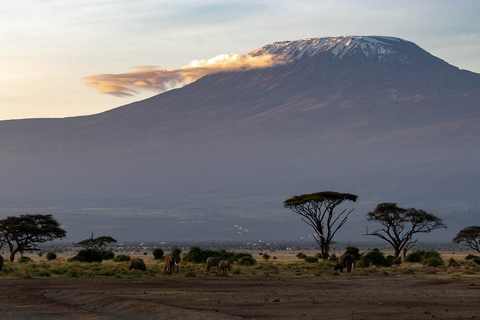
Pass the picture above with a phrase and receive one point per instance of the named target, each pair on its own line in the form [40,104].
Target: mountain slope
[377,107]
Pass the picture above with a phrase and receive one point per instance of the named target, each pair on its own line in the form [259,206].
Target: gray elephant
[348,261]
[1,262]
[224,266]
[212,262]
[338,266]
[136,264]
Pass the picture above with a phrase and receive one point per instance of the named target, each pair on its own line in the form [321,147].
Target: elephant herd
[172,260]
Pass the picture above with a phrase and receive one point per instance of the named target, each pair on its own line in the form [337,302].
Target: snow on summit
[338,46]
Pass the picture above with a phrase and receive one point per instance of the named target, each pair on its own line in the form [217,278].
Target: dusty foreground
[213,297]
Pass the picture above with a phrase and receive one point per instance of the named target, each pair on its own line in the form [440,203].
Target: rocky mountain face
[375,116]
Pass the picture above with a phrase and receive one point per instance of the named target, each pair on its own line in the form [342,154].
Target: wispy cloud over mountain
[127,84]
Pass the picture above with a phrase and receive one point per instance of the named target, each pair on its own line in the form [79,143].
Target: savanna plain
[281,287]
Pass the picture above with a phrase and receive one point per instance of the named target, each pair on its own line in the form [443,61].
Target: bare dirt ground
[347,296]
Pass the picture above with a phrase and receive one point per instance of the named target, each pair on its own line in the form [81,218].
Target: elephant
[338,266]
[1,262]
[224,266]
[397,261]
[348,261]
[172,259]
[212,262]
[137,264]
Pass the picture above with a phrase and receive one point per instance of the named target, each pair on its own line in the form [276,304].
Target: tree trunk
[13,253]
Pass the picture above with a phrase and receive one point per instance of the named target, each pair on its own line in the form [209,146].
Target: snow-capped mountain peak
[371,46]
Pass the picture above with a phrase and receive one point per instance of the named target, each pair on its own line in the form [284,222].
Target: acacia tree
[97,244]
[317,210]
[470,235]
[400,225]
[24,232]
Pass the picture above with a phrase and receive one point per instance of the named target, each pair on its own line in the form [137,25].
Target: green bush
[474,258]
[332,258]
[197,255]
[51,256]
[24,260]
[121,258]
[453,263]
[247,261]
[240,255]
[301,255]
[88,255]
[107,255]
[375,257]
[158,254]
[353,250]
[432,259]
[311,259]
[415,256]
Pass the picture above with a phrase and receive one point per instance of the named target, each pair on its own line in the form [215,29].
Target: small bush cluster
[121,258]
[374,257]
[428,258]
[197,255]
[51,256]
[87,255]
[474,258]
[301,255]
[246,261]
[158,254]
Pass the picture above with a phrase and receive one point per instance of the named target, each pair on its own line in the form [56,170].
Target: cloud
[127,84]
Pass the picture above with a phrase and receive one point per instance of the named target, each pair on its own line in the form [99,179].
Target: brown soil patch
[233,297]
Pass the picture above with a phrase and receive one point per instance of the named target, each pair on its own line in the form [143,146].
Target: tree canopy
[97,244]
[400,225]
[25,231]
[317,210]
[469,235]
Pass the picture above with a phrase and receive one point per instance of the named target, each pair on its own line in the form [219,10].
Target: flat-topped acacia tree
[471,236]
[318,211]
[400,225]
[24,232]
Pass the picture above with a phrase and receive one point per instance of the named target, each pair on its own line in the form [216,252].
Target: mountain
[375,116]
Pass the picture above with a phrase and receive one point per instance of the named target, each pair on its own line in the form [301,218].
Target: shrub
[197,255]
[415,256]
[24,260]
[353,250]
[158,254]
[453,263]
[121,258]
[375,257]
[310,259]
[474,258]
[266,256]
[240,255]
[88,255]
[247,261]
[107,255]
[301,255]
[332,258]
[51,256]
[432,259]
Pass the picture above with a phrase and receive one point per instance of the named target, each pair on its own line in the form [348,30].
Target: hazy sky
[49,47]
